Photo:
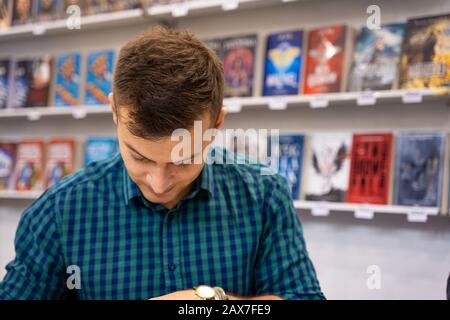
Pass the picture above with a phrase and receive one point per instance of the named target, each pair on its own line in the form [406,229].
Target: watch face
[206,292]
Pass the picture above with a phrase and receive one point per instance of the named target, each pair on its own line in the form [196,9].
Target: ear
[221,118]
[113,107]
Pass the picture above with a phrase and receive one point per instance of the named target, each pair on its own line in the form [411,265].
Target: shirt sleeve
[283,267]
[37,272]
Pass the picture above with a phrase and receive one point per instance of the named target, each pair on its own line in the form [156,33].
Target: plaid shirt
[237,229]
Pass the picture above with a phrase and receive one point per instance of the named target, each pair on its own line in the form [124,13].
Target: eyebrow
[139,154]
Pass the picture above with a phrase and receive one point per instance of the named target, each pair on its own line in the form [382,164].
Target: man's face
[160,177]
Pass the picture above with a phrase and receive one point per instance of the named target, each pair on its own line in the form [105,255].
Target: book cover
[100,66]
[7,160]
[376,58]
[60,160]
[47,10]
[239,64]
[216,45]
[327,59]
[22,12]
[290,161]
[99,148]
[419,169]
[30,165]
[121,5]
[40,81]
[67,79]
[5,67]
[282,75]
[5,14]
[21,83]
[328,167]
[370,168]
[425,58]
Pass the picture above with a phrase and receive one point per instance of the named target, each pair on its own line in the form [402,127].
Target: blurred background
[359,91]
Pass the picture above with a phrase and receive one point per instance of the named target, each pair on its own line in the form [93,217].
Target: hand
[179,295]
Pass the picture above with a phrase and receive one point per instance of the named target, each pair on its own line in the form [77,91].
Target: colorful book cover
[370,168]
[100,66]
[60,160]
[22,12]
[282,75]
[425,59]
[328,167]
[47,10]
[5,67]
[216,45]
[5,14]
[419,169]
[99,148]
[239,64]
[376,58]
[7,160]
[290,161]
[67,80]
[326,59]
[30,165]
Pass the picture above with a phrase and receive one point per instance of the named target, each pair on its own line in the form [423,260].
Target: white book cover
[327,167]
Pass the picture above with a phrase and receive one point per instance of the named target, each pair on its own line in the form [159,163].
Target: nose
[158,180]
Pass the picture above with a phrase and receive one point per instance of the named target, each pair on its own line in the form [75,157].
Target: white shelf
[367,211]
[237,104]
[58,26]
[20,195]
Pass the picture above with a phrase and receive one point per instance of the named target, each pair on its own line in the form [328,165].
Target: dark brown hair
[167,79]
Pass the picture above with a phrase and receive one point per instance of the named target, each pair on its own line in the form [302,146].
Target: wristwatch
[209,293]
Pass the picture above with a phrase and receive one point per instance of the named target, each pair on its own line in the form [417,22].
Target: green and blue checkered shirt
[237,229]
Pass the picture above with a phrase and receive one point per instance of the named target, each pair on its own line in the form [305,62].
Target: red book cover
[370,168]
[60,160]
[30,165]
[326,59]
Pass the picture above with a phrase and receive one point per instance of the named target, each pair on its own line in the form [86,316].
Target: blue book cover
[282,74]
[4,82]
[99,148]
[99,77]
[67,81]
[21,83]
[419,169]
[376,58]
[290,161]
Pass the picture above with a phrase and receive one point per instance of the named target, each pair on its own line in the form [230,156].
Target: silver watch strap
[220,294]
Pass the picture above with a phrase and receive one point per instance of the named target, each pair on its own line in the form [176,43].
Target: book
[419,169]
[100,66]
[216,46]
[22,12]
[68,79]
[328,167]
[327,59]
[5,14]
[29,166]
[120,5]
[21,83]
[7,160]
[376,58]
[99,148]
[47,10]
[370,169]
[289,155]
[5,67]
[60,160]
[239,64]
[282,75]
[425,58]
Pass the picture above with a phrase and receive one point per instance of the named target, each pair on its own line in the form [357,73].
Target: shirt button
[172,267]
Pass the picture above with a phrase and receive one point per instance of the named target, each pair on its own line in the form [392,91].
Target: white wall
[414,258]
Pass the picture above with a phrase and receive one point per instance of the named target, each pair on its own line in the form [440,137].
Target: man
[148,224]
